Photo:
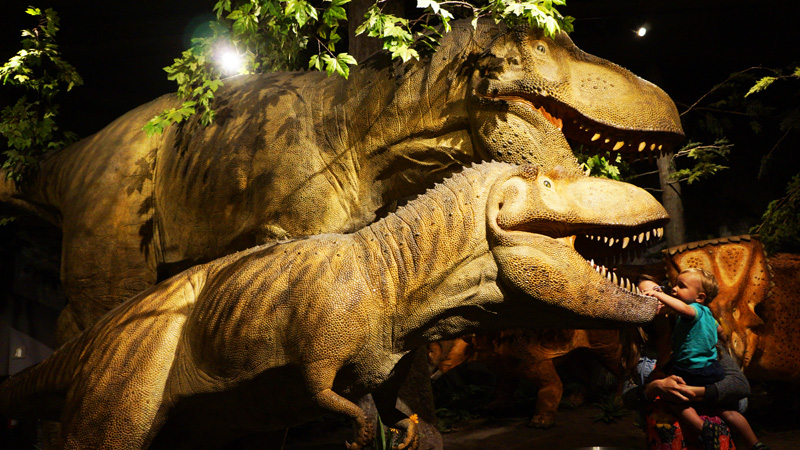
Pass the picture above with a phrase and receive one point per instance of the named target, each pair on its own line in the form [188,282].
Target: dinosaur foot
[544,420]
[364,433]
[411,441]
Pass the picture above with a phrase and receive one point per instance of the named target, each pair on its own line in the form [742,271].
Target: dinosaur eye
[547,184]
[541,48]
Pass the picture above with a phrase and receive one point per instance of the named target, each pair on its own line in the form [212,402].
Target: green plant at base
[611,409]
[28,127]
[271,35]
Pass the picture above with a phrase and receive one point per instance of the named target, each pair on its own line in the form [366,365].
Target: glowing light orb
[230,62]
[642,31]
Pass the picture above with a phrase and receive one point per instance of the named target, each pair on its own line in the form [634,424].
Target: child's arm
[673,303]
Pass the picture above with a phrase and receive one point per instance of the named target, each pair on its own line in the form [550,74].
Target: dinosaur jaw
[604,248]
[594,135]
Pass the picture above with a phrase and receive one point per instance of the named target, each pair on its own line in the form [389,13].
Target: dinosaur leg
[543,375]
[336,403]
[389,409]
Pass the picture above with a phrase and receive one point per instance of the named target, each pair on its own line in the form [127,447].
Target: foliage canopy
[28,127]
[272,35]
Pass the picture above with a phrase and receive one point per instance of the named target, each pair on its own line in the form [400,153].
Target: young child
[694,354]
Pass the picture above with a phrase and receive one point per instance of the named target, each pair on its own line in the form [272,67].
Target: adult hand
[671,388]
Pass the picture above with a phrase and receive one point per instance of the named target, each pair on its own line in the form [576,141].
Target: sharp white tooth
[647,236]
[625,242]
[611,242]
[605,238]
[595,137]
[619,145]
[614,278]
[652,146]
[642,145]
[660,146]
[592,261]
[641,237]
[660,232]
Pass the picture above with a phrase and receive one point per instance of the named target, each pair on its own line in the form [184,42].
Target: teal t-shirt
[694,339]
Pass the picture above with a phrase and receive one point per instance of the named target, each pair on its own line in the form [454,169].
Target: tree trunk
[362,46]
[675,230]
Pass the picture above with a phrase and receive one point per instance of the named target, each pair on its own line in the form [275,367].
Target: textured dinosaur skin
[295,154]
[530,354]
[269,337]
[758,304]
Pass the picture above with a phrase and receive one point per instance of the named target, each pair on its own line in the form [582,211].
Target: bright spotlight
[230,62]
[642,31]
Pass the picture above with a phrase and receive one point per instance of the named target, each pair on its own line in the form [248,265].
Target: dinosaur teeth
[625,242]
[595,137]
[642,145]
[619,145]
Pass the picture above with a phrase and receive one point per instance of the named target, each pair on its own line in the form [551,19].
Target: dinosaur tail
[39,390]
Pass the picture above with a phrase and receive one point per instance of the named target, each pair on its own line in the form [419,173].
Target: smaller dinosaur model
[271,337]
[530,354]
[758,305]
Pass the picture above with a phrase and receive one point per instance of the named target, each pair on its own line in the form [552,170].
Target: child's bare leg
[738,422]
[690,421]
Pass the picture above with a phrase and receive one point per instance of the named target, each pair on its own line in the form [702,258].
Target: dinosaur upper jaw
[597,135]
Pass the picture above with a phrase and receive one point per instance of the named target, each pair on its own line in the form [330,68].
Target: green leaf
[762,84]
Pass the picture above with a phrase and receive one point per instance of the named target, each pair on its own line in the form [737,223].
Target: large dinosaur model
[268,337]
[295,154]
[529,354]
[758,305]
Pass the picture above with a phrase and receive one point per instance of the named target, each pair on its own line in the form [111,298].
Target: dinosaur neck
[434,259]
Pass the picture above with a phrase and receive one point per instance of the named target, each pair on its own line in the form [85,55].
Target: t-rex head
[530,94]
[537,220]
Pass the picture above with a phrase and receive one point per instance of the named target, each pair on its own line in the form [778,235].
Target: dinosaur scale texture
[269,337]
[294,154]
[758,305]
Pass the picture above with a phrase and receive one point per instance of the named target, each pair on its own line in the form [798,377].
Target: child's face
[646,285]
[689,288]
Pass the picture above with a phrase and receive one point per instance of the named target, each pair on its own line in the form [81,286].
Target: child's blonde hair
[707,280]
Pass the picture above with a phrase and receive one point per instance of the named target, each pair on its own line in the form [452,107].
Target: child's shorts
[709,374]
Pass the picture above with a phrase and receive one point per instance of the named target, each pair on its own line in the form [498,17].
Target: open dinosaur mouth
[603,251]
[598,137]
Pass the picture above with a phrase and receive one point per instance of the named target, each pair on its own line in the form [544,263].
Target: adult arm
[671,388]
